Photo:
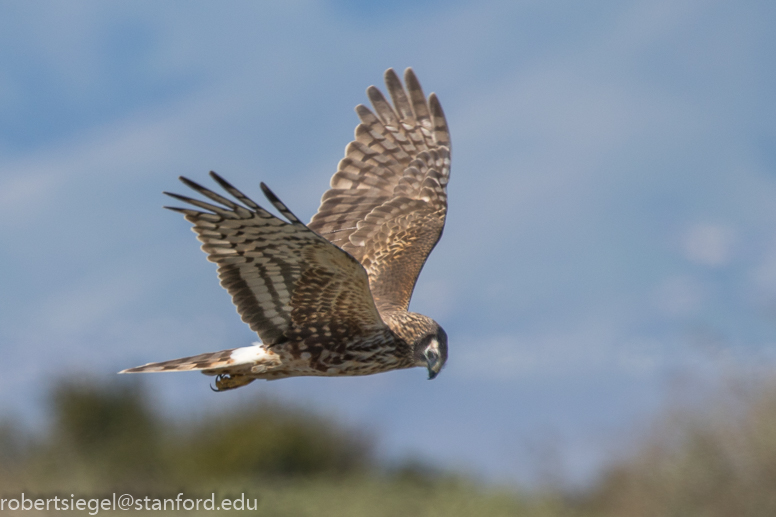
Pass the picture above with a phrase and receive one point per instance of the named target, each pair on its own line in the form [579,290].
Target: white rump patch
[249,354]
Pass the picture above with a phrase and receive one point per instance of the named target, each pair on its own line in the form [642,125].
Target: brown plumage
[331,297]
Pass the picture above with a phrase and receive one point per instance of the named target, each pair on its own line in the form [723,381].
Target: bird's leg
[226,381]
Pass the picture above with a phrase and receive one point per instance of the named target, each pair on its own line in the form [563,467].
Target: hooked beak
[434,360]
[433,369]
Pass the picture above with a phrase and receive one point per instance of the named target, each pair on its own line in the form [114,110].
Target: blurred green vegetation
[107,435]
[713,459]
[716,461]
[267,440]
[106,438]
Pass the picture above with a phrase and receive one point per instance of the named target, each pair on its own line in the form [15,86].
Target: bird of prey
[331,298]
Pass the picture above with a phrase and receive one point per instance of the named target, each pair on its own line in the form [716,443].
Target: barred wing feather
[282,276]
[388,199]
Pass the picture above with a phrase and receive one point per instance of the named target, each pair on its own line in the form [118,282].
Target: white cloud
[679,296]
[709,244]
[92,301]
[762,277]
[592,346]
[22,190]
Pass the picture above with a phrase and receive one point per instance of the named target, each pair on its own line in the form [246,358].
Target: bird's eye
[431,355]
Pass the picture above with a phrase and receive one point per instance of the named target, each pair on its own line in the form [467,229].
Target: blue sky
[612,220]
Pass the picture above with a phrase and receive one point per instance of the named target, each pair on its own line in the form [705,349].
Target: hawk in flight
[330,298]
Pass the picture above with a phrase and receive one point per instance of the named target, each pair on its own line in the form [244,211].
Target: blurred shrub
[14,448]
[106,434]
[717,463]
[267,439]
[107,429]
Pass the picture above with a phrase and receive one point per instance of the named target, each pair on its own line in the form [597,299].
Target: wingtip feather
[279,205]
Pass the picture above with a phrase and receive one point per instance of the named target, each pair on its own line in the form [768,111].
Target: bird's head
[431,351]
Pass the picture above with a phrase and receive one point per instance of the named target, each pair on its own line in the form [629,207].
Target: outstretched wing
[282,277]
[388,198]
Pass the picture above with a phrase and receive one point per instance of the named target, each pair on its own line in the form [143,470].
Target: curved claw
[219,380]
[227,381]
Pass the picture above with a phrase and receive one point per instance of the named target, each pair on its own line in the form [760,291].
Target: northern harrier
[330,298]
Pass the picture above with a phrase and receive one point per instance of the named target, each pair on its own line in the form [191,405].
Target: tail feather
[233,368]
[209,361]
